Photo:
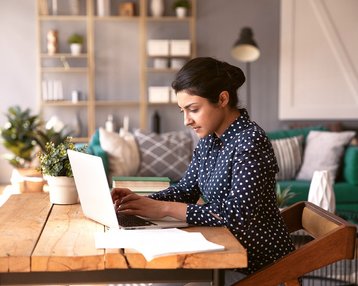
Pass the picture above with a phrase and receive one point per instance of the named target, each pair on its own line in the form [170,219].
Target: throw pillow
[288,153]
[123,153]
[323,151]
[164,155]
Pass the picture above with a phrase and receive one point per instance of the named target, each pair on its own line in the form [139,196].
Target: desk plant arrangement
[181,7]
[56,168]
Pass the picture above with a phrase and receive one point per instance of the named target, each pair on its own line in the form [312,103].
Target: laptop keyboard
[132,220]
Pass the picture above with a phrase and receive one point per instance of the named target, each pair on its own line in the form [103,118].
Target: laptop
[95,197]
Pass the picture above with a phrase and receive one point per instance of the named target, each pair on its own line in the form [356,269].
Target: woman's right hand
[118,194]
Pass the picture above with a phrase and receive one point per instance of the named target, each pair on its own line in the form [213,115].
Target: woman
[233,167]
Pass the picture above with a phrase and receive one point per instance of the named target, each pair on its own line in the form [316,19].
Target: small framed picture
[126,9]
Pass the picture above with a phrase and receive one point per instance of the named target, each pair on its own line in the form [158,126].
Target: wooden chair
[333,240]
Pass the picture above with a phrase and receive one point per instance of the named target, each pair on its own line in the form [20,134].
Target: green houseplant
[23,135]
[56,168]
[20,137]
[181,7]
[75,41]
[283,195]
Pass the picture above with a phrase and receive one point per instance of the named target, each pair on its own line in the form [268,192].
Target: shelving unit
[109,82]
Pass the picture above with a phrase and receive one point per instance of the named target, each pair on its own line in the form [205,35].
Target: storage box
[158,47]
[180,48]
[160,63]
[158,94]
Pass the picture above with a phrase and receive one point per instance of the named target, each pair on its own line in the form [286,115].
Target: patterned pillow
[323,151]
[164,155]
[288,153]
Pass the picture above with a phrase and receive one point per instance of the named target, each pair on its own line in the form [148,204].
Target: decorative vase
[157,8]
[181,12]
[103,8]
[62,190]
[76,49]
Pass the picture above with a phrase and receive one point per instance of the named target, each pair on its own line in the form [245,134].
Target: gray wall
[18,63]
[218,25]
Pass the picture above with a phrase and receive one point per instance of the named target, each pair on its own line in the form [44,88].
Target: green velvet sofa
[345,186]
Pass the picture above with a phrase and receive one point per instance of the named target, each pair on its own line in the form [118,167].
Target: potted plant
[181,7]
[56,168]
[282,196]
[75,41]
[24,134]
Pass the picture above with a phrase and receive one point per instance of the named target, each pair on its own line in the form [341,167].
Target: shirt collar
[242,122]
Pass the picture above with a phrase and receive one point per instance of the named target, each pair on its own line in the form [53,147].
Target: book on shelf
[142,185]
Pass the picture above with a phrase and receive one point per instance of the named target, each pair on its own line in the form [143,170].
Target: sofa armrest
[350,165]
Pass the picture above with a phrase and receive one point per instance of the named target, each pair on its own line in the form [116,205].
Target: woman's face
[201,115]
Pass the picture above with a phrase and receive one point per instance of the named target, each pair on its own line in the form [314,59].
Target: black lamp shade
[245,48]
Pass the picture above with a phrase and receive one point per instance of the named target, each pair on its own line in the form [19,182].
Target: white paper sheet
[154,243]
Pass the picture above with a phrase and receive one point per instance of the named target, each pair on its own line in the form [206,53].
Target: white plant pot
[181,12]
[76,49]
[62,190]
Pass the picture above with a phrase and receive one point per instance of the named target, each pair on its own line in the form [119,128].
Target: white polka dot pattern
[235,175]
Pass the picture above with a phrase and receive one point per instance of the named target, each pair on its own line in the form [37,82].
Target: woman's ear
[224,98]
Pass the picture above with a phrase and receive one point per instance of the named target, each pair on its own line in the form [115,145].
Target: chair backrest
[333,240]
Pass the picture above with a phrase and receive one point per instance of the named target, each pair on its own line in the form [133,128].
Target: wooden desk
[44,243]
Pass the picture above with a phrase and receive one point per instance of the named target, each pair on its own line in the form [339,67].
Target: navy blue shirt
[235,176]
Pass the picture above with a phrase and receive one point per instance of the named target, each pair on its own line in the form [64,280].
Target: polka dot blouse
[235,176]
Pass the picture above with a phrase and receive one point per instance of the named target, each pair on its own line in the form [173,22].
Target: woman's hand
[130,203]
[134,204]
[118,194]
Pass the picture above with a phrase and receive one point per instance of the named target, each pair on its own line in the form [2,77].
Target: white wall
[17,63]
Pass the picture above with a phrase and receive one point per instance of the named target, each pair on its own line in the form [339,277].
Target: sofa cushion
[164,155]
[350,165]
[323,151]
[123,153]
[288,153]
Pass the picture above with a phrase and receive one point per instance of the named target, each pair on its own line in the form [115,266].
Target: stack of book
[142,185]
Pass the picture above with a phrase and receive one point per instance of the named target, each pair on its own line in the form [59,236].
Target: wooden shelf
[162,70]
[63,70]
[65,103]
[105,103]
[117,18]
[52,67]
[167,19]
[63,55]
[62,18]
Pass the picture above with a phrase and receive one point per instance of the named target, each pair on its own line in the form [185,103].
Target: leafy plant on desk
[54,160]
[283,195]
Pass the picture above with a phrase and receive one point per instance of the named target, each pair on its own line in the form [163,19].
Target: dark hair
[208,77]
